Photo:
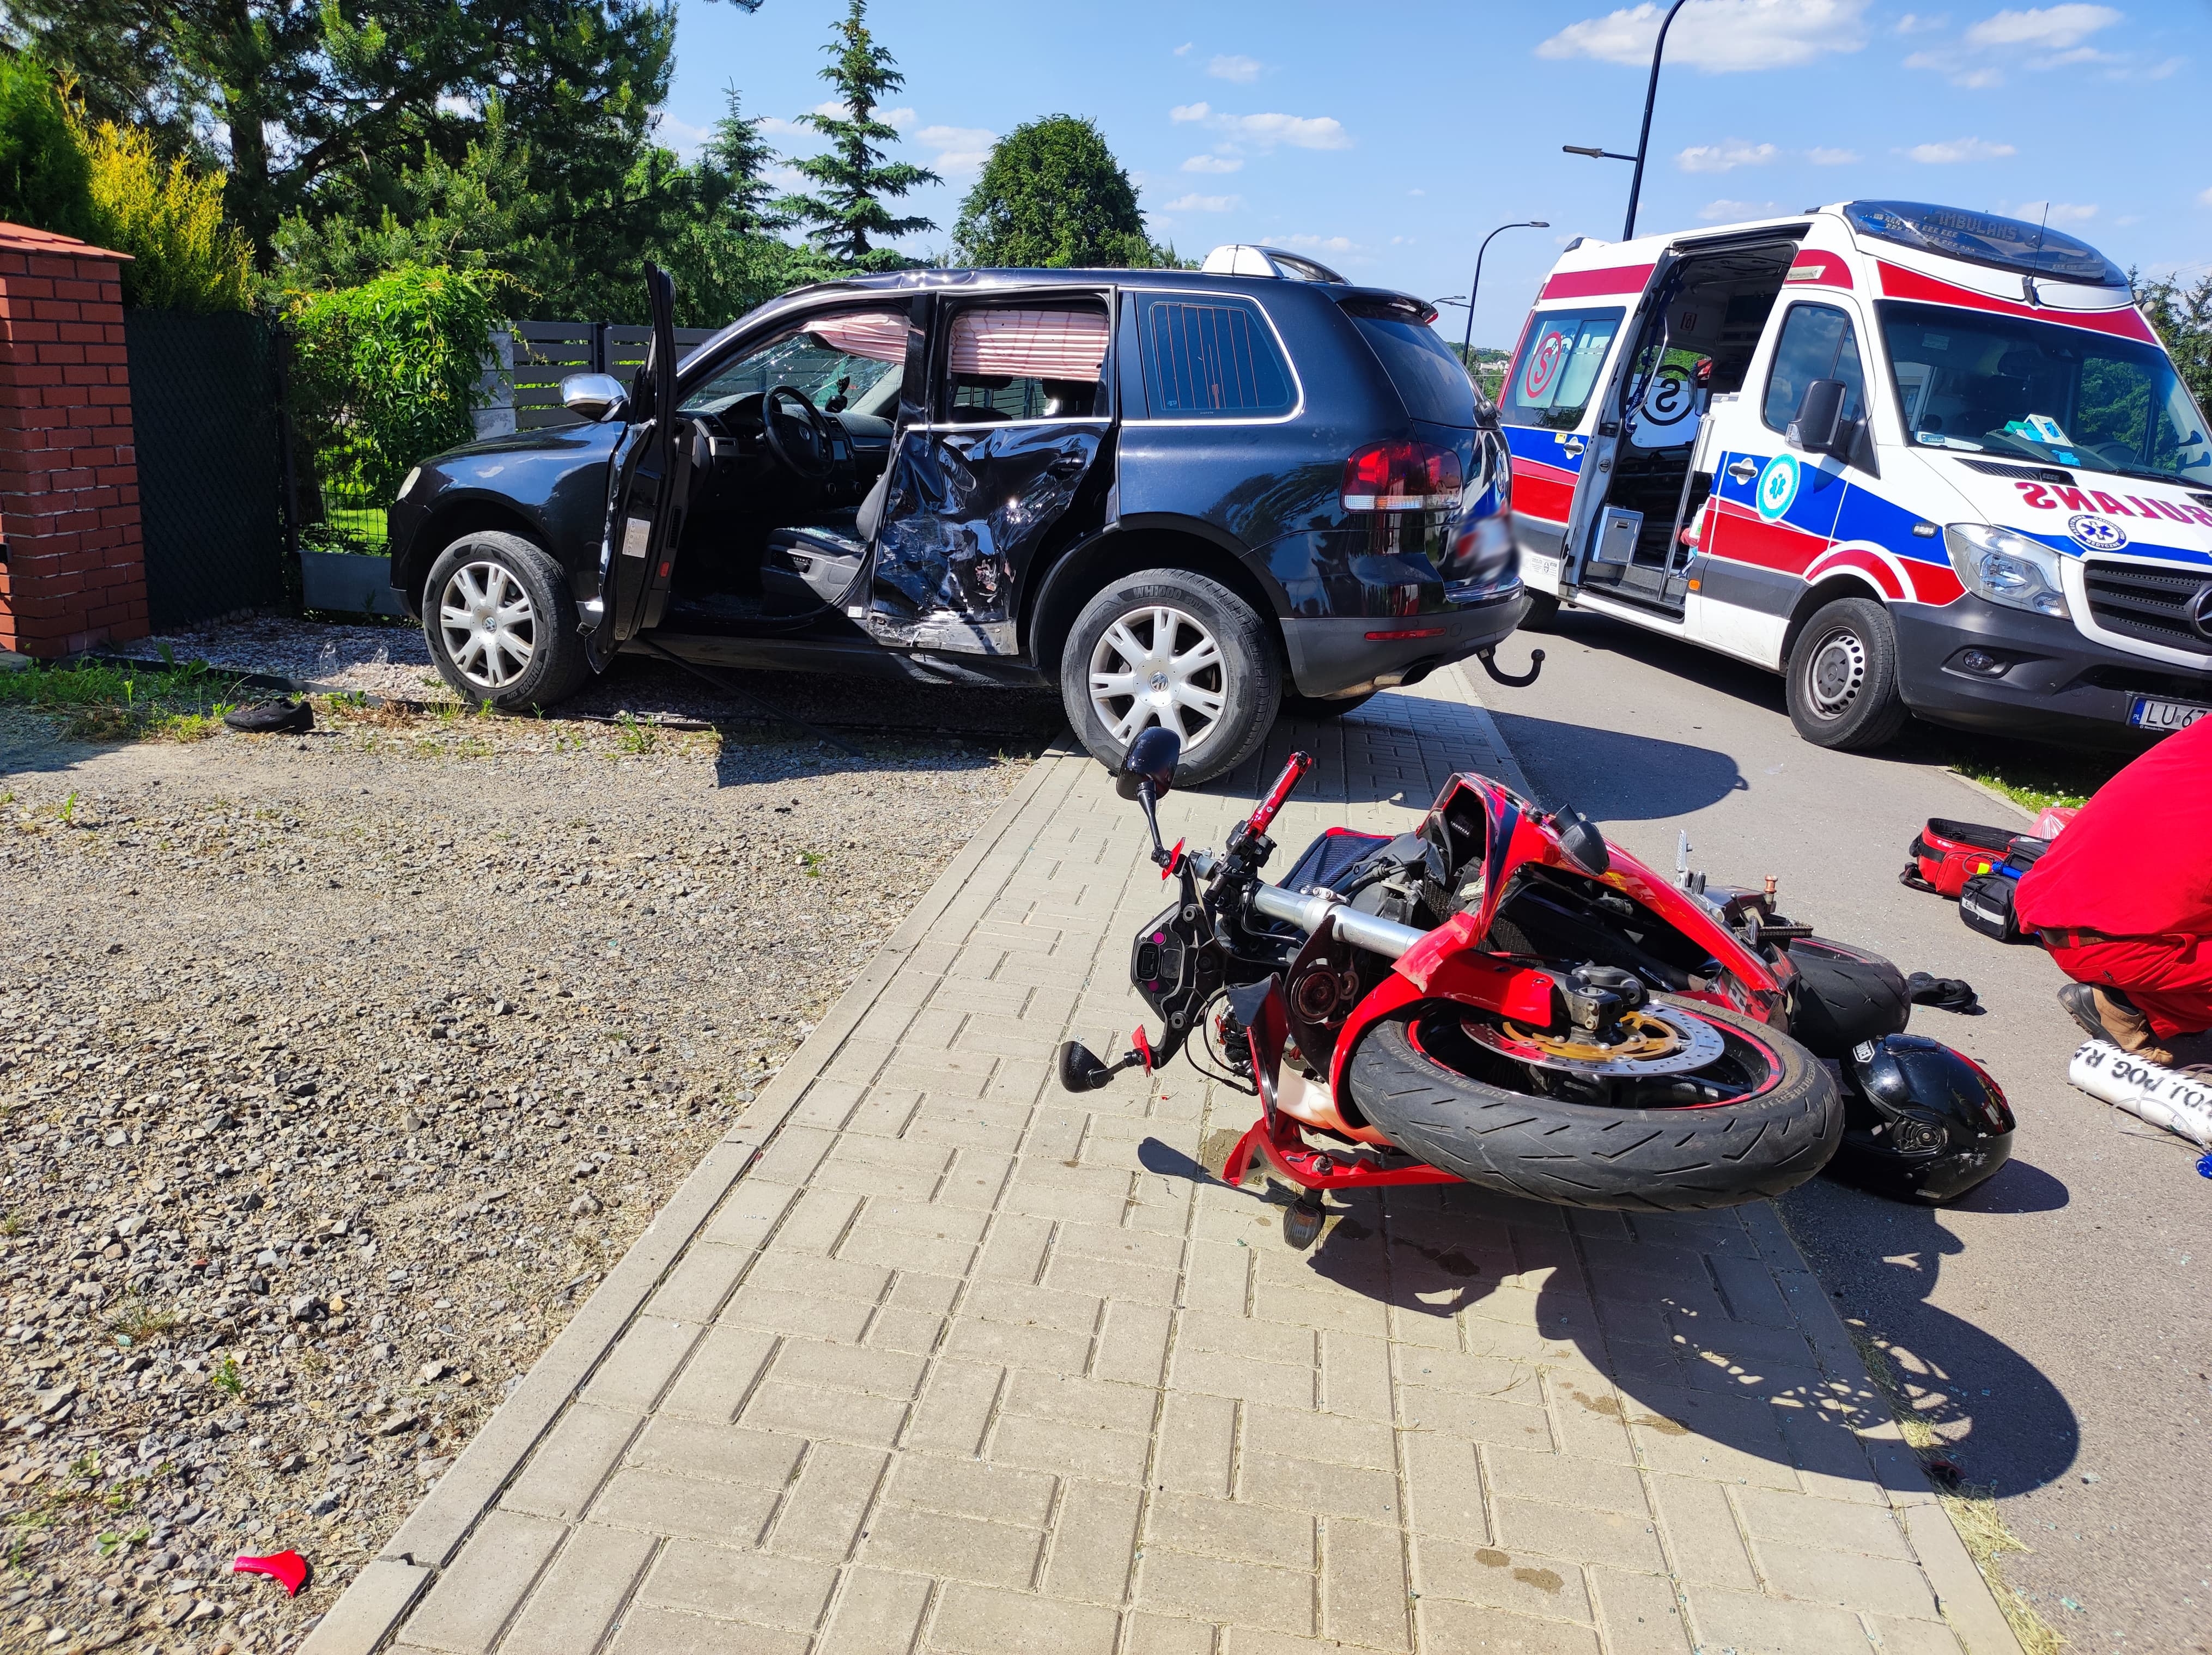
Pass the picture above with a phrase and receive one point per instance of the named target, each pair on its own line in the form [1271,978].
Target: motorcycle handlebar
[1383,937]
[1260,819]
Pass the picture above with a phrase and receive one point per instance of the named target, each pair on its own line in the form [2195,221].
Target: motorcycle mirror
[1152,757]
[1579,838]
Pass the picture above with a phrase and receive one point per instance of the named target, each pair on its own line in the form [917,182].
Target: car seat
[812,566]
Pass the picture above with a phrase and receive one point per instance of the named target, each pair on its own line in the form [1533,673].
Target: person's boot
[2109,1016]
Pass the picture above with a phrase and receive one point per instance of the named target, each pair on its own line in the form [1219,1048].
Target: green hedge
[385,375]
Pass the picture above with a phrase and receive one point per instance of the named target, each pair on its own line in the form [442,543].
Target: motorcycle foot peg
[1302,1222]
[1080,1070]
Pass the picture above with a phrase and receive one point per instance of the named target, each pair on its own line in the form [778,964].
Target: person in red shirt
[2123,900]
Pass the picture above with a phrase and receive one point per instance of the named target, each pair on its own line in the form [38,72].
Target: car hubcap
[1838,668]
[1158,665]
[489,628]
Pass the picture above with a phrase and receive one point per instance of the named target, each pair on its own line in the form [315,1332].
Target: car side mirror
[1820,426]
[1152,757]
[592,395]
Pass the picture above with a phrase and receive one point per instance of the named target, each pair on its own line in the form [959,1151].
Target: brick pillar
[72,564]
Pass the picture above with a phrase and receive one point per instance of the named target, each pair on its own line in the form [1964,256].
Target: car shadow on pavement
[1676,1327]
[1623,775]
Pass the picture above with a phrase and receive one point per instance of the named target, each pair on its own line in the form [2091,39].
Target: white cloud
[1821,155]
[1213,164]
[1318,244]
[2053,212]
[901,119]
[1716,212]
[957,149]
[1958,149]
[1914,23]
[1264,132]
[1203,204]
[686,139]
[1231,67]
[1724,156]
[1183,51]
[2050,28]
[1299,131]
[1417,192]
[2204,198]
[1719,36]
[2036,38]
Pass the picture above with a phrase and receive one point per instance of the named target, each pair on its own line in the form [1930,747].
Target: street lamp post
[1475,287]
[1643,139]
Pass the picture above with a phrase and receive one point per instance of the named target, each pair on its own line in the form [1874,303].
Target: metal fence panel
[204,398]
[546,353]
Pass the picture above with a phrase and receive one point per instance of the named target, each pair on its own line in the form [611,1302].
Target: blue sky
[1388,144]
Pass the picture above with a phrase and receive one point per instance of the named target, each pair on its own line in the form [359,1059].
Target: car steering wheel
[801,444]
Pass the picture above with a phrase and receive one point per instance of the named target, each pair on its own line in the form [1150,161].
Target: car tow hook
[1511,680]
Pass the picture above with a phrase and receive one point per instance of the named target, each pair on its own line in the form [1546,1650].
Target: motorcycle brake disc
[1657,1040]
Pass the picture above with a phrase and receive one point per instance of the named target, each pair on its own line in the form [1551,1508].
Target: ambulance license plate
[2146,713]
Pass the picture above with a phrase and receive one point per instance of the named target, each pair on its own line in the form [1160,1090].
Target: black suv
[1184,497]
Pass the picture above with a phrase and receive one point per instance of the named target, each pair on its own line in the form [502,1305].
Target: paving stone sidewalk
[930,1355]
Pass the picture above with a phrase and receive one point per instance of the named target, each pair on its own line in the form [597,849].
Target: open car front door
[651,484]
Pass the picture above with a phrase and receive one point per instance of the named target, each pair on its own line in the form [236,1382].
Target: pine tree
[847,217]
[729,176]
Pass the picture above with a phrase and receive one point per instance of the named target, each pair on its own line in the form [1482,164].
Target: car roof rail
[1241,259]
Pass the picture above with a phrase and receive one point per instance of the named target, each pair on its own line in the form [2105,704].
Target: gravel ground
[394,662]
[390,661]
[335,1070]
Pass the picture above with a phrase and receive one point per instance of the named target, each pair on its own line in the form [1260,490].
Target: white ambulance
[1911,457]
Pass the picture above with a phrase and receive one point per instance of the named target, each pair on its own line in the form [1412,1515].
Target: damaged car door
[651,486]
[1013,460]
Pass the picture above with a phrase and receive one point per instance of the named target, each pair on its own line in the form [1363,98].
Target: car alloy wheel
[1158,665]
[489,628]
[1836,672]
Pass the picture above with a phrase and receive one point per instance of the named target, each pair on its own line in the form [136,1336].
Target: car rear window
[1422,367]
[1214,357]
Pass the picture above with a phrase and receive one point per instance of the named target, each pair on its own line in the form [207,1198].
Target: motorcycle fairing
[1451,964]
[1514,837]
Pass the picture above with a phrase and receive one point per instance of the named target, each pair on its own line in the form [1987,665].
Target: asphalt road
[2055,1321]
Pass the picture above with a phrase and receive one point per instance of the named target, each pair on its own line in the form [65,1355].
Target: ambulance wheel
[1843,677]
[1543,614]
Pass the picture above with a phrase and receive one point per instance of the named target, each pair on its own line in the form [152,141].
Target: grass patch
[137,1321]
[97,702]
[2030,775]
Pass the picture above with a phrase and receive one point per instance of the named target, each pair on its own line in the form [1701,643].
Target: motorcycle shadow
[1695,1339]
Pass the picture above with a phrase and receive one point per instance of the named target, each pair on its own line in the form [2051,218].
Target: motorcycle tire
[1845,996]
[1579,1154]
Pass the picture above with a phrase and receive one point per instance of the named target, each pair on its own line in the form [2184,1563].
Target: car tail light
[1401,477]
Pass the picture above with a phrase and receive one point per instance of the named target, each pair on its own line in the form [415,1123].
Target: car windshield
[2043,391]
[846,363]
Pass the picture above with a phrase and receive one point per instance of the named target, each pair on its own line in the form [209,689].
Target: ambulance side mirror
[1820,426]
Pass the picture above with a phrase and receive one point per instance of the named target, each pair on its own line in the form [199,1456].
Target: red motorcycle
[1499,996]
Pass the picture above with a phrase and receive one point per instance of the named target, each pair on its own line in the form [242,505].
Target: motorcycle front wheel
[1733,1111]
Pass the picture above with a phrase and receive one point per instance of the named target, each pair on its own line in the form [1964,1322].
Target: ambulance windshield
[1985,384]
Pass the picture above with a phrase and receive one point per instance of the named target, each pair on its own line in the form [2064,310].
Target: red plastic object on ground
[286,1568]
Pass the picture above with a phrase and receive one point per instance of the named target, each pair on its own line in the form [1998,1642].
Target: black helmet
[1921,1122]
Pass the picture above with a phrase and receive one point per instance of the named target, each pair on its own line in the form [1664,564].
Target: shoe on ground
[2108,1015]
[272,717]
